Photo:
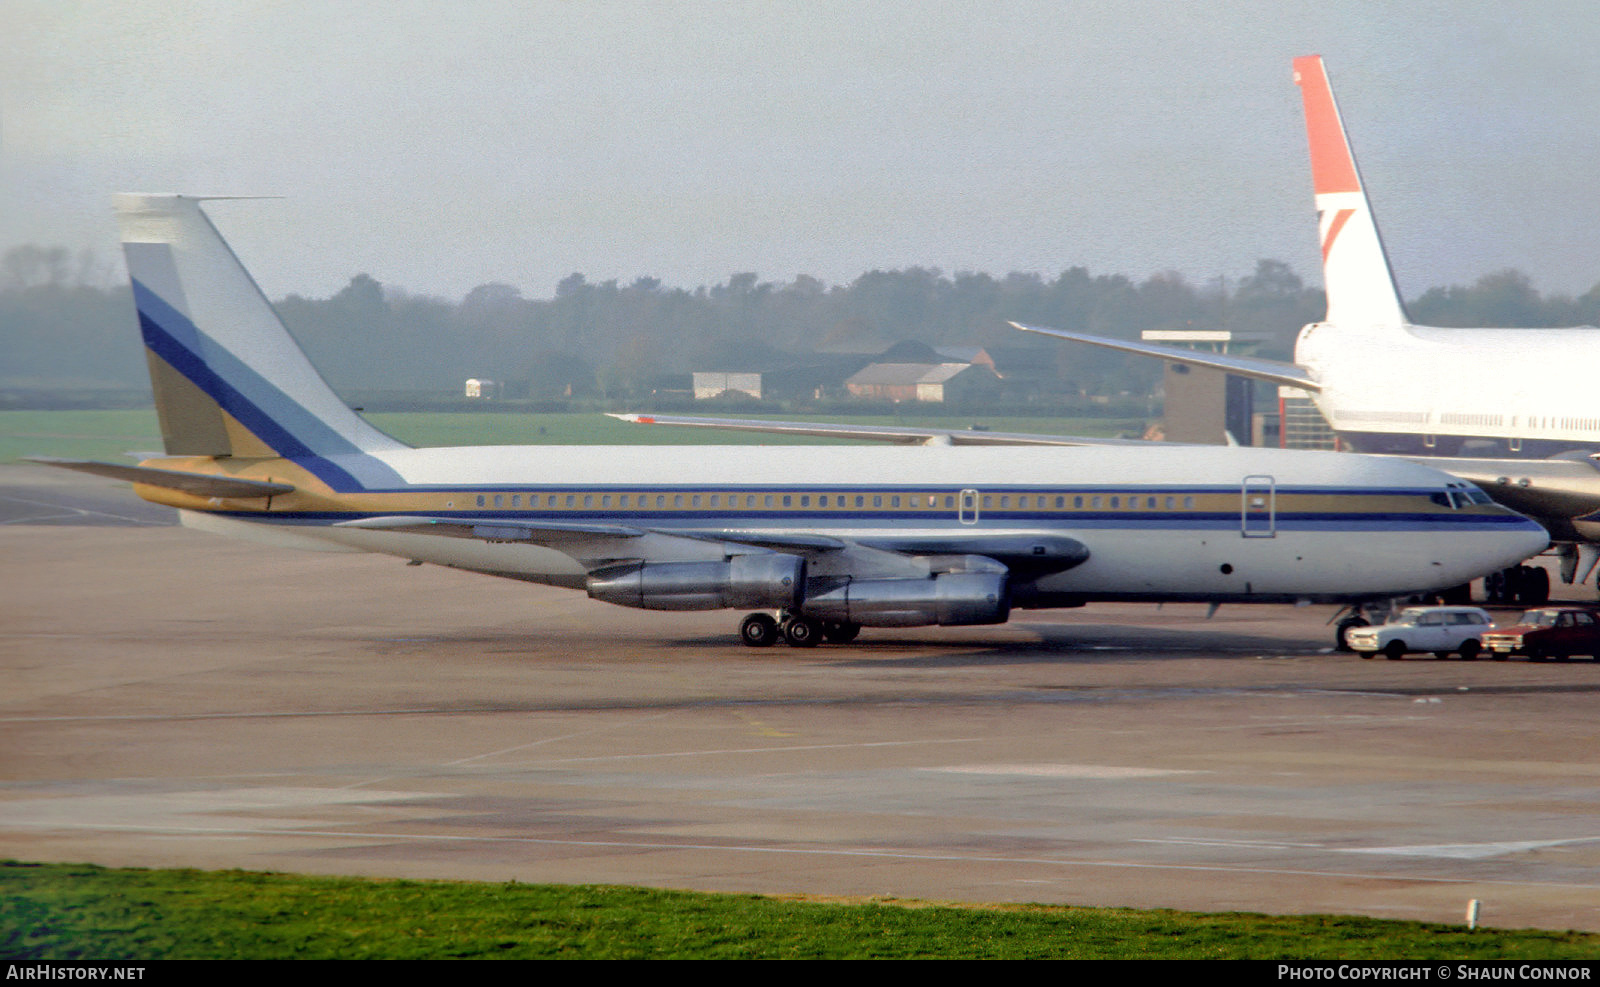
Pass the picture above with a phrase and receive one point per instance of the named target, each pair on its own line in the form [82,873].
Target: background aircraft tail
[1355,270]
[229,379]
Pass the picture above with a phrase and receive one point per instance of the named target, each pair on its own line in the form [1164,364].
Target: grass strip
[84,912]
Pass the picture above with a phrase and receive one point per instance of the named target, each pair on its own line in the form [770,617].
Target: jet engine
[772,580]
[947,599]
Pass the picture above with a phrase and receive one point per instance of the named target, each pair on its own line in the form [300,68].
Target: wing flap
[1032,554]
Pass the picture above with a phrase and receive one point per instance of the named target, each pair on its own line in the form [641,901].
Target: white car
[1440,630]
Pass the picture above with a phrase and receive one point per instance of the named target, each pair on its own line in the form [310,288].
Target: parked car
[1548,632]
[1440,630]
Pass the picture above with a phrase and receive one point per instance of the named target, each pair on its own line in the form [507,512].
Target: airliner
[1506,397]
[818,542]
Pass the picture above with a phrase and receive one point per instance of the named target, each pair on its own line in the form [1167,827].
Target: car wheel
[1469,650]
[1395,650]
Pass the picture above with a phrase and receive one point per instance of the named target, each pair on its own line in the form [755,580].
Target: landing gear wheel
[836,632]
[1339,643]
[1535,586]
[759,630]
[802,632]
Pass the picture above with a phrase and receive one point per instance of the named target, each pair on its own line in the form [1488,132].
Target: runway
[175,699]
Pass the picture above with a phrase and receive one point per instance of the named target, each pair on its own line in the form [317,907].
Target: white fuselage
[1159,523]
[1526,390]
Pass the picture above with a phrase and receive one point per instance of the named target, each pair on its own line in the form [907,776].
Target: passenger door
[1258,507]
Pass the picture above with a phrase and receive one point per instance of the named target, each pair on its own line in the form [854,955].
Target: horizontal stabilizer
[899,434]
[1272,371]
[199,484]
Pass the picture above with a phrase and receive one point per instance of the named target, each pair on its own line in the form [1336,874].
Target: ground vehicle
[1548,632]
[1440,630]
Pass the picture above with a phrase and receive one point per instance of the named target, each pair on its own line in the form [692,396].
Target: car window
[1431,620]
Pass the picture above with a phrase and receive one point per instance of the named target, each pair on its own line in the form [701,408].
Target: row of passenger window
[968,502]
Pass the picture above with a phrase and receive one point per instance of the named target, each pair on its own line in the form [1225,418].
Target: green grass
[78,434]
[111,435]
[81,912]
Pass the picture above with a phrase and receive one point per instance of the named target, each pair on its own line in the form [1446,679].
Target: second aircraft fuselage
[1431,391]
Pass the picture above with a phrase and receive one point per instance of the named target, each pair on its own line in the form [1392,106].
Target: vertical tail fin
[1355,270]
[229,379]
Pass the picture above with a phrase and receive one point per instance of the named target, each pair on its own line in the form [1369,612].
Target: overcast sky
[438,146]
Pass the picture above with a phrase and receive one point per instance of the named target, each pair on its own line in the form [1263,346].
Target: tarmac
[176,699]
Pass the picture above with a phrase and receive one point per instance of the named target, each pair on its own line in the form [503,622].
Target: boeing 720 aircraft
[819,541]
[1387,386]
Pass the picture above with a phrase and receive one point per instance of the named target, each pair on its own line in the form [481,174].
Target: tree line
[64,326]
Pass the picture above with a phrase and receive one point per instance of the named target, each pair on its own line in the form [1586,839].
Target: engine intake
[765,580]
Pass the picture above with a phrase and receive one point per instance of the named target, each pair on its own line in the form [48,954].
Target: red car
[1548,632]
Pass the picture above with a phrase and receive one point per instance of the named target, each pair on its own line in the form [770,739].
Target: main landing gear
[1525,585]
[762,630]
[1355,615]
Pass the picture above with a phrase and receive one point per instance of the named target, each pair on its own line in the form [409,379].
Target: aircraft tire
[802,632]
[1339,643]
[759,630]
[1536,586]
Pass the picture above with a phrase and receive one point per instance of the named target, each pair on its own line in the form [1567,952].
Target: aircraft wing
[538,533]
[900,434]
[596,545]
[199,484]
[1273,371]
[592,545]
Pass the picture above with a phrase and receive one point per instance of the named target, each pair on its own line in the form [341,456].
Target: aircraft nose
[1528,540]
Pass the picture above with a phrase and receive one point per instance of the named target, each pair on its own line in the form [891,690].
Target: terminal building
[1209,407]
